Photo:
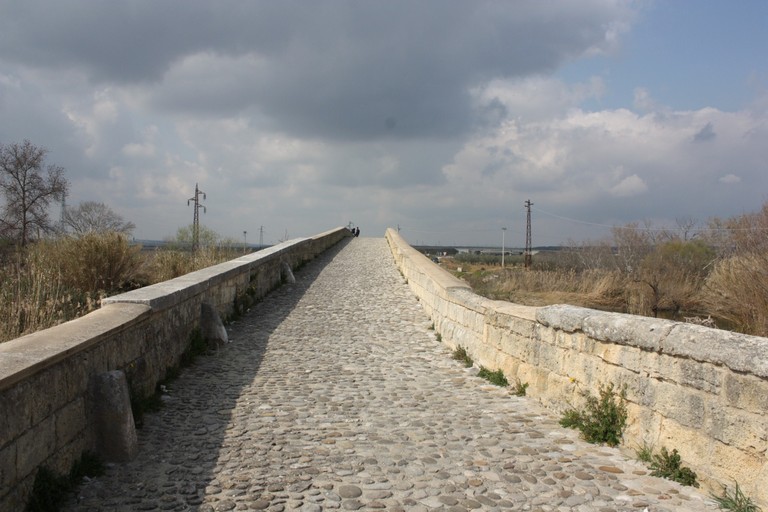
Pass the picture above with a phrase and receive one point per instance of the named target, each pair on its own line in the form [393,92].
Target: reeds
[34,297]
[737,291]
[53,281]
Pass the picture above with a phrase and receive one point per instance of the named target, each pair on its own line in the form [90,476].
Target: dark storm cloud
[338,69]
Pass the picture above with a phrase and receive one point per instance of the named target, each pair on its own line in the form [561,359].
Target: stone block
[16,416]
[629,358]
[7,466]
[563,317]
[622,329]
[70,421]
[745,392]
[35,446]
[743,430]
[47,390]
[685,406]
[115,430]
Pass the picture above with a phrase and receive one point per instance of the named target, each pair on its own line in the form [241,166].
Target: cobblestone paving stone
[335,394]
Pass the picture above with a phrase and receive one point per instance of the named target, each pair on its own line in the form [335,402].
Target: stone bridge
[338,391]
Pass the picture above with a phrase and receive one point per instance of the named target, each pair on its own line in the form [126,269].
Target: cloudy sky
[439,116]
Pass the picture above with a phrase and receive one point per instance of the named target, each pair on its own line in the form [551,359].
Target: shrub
[521,388]
[668,465]
[99,262]
[494,377]
[460,354]
[603,420]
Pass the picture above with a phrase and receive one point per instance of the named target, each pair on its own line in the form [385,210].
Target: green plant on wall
[603,418]
[521,388]
[460,354]
[669,465]
[666,464]
[736,501]
[494,377]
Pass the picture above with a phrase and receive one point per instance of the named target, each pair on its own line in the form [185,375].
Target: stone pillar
[211,326]
[115,430]
[288,273]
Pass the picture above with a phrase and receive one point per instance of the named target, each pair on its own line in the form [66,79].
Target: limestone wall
[702,391]
[46,410]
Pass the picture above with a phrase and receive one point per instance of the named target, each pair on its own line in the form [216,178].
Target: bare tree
[95,217]
[29,185]
[686,225]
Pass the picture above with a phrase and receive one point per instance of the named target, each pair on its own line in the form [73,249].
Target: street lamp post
[503,232]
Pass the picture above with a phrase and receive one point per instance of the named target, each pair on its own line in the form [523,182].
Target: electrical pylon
[528,245]
[196,218]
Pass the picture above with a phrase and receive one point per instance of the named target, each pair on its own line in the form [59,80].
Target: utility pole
[196,217]
[261,237]
[503,232]
[528,245]
[245,242]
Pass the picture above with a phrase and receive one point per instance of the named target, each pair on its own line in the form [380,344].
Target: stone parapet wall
[699,390]
[46,378]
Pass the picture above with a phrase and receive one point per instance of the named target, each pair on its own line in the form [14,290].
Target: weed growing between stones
[494,377]
[669,465]
[50,490]
[644,453]
[735,501]
[520,388]
[460,354]
[603,419]
[438,337]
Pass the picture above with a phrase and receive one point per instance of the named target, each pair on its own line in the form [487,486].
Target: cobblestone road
[335,394]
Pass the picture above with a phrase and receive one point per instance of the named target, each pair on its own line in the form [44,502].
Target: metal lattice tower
[528,245]
[196,218]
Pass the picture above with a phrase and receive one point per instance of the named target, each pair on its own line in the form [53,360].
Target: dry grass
[733,291]
[34,296]
[737,290]
[165,264]
[53,281]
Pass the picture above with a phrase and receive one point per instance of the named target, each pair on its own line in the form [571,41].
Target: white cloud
[729,179]
[644,102]
[629,186]
[536,97]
